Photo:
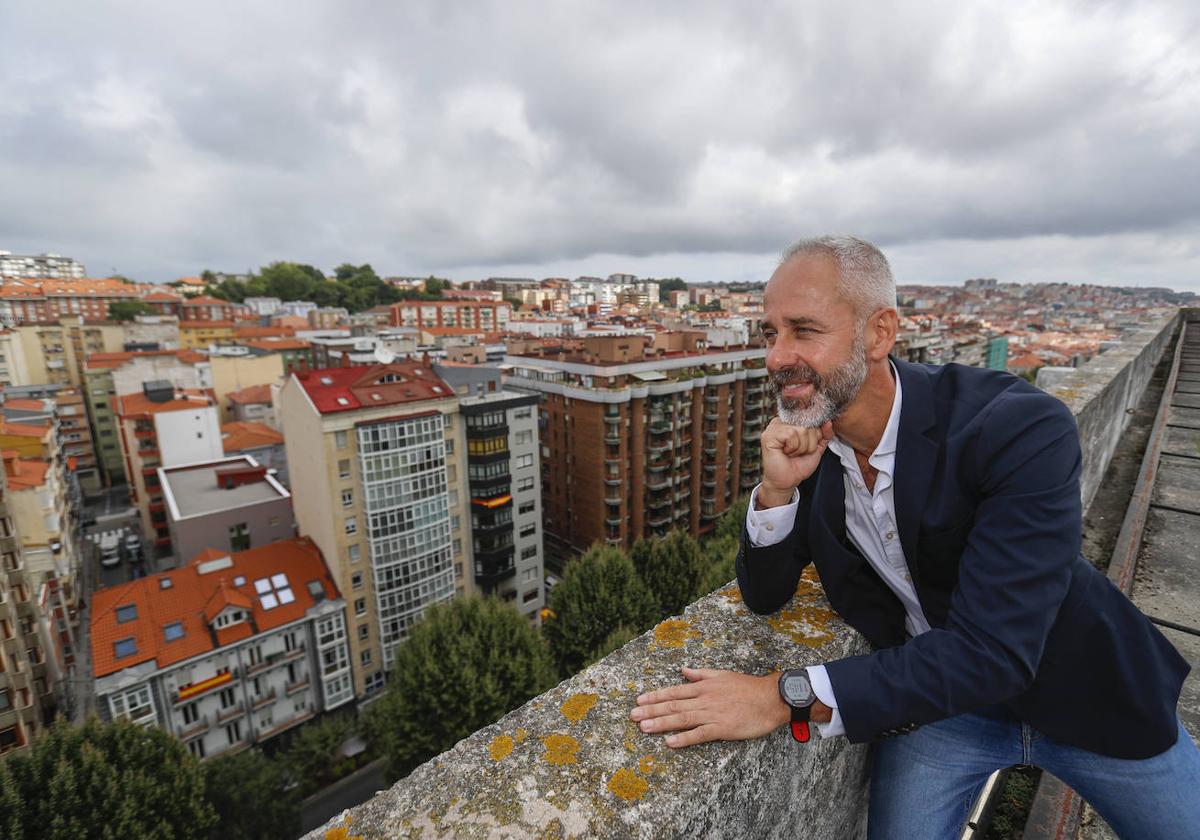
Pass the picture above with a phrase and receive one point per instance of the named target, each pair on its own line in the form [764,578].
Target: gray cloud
[1022,139]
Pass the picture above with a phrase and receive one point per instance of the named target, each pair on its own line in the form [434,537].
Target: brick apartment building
[642,435]
[486,315]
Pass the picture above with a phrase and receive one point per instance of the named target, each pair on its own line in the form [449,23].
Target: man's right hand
[790,454]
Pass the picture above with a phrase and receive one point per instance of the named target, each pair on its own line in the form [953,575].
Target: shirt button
[907,577]
[891,535]
[770,527]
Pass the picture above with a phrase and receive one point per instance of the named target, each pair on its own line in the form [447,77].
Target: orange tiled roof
[37,430]
[252,394]
[138,403]
[24,473]
[347,388]
[25,405]
[263,332]
[277,343]
[208,300]
[162,297]
[205,325]
[1026,361]
[107,361]
[248,434]
[185,598]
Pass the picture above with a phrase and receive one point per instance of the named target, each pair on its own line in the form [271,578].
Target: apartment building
[231,504]
[202,333]
[486,315]
[504,479]
[33,301]
[230,650]
[30,618]
[106,375]
[379,453]
[261,442]
[64,407]
[641,435]
[39,265]
[208,308]
[160,427]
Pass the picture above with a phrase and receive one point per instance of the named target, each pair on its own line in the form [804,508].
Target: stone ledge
[570,763]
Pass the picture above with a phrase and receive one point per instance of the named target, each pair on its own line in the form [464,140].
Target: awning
[650,376]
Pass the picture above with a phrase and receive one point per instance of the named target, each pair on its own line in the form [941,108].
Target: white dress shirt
[871,527]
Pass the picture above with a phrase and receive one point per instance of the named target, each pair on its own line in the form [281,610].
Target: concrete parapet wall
[1102,392]
[570,763]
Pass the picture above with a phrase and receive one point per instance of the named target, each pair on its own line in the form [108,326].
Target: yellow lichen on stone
[577,706]
[520,735]
[804,624]
[340,832]
[630,746]
[632,686]
[500,747]
[648,764]
[674,633]
[560,749]
[627,785]
[732,594]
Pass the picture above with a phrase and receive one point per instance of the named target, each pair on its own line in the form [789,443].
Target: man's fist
[790,454]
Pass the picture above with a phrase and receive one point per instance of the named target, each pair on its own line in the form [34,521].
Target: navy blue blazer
[987,501]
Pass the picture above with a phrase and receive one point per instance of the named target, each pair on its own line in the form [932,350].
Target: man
[941,508]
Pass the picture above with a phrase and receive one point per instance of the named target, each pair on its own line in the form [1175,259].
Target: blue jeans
[924,783]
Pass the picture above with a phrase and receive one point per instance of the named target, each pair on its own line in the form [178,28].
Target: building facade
[228,651]
[379,453]
[40,265]
[639,440]
[489,316]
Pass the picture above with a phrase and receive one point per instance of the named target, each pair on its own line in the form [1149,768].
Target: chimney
[159,390]
[237,476]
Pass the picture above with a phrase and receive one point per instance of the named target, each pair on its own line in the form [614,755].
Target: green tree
[467,663]
[127,310]
[250,793]
[672,569]
[291,281]
[599,592]
[618,638]
[312,753]
[672,284]
[435,286]
[132,780]
[720,556]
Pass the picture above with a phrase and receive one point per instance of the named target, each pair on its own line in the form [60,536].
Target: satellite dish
[383,355]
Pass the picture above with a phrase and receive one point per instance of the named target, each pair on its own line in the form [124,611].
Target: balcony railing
[191,730]
[237,710]
[262,700]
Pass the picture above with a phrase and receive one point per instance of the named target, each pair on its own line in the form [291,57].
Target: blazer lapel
[916,450]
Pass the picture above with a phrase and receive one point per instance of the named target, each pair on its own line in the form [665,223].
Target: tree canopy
[127,310]
[672,569]
[467,663]
[599,592]
[104,780]
[252,796]
[353,287]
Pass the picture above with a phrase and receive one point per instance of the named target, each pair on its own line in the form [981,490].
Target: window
[344,468]
[191,713]
[356,580]
[528,551]
[351,525]
[347,498]
[353,553]
[9,738]
[364,632]
[173,631]
[196,747]
[450,446]
[374,683]
[524,484]
[531,595]
[526,507]
[339,440]
[524,461]
[128,612]
[234,732]
[360,606]
[227,698]
[457,546]
[135,705]
[364,657]
[239,537]
[524,437]
[125,647]
[529,530]
[5,700]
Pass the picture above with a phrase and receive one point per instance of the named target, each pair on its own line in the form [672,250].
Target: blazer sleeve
[768,576]
[1014,573]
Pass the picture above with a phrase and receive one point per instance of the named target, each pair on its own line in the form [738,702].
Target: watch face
[796,689]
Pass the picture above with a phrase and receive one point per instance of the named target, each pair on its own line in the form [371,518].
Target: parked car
[110,550]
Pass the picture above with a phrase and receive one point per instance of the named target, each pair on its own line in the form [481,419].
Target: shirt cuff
[770,526]
[823,688]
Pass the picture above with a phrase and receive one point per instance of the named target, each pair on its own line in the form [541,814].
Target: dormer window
[389,377]
[228,618]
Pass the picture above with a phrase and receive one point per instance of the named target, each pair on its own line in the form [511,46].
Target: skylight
[125,647]
[325,380]
[274,591]
[164,583]
[173,631]
[127,612]
[239,581]
[343,401]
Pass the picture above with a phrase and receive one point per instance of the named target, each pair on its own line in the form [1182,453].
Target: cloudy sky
[1021,140]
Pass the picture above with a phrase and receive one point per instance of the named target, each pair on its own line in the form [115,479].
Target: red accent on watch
[800,730]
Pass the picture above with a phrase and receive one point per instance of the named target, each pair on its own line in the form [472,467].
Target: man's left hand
[713,706]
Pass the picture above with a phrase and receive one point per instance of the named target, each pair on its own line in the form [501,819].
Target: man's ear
[881,333]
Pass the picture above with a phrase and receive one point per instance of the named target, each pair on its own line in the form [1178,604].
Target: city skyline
[1032,143]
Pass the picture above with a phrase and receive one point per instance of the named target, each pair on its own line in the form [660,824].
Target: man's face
[816,355]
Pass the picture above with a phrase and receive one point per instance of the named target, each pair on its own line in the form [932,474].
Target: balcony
[191,730]
[299,685]
[491,431]
[752,404]
[612,439]
[613,498]
[659,502]
[280,657]
[659,447]
[613,480]
[612,418]
[660,427]
[613,521]
[237,710]
[259,702]
[657,482]
[660,521]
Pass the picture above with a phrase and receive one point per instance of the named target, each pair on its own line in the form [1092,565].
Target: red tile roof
[162,297]
[208,300]
[107,361]
[23,473]
[205,325]
[129,405]
[188,596]
[243,435]
[348,388]
[274,344]
[25,405]
[252,394]
[37,430]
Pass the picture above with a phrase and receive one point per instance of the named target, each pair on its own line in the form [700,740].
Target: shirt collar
[891,432]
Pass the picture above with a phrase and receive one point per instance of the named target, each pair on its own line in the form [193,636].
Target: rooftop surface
[193,490]
[348,388]
[248,434]
[182,596]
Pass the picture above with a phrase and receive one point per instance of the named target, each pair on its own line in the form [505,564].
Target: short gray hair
[865,276]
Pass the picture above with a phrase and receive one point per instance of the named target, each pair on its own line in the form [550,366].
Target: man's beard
[831,393]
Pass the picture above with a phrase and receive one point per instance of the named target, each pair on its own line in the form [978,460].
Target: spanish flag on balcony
[492,503]
[204,685]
